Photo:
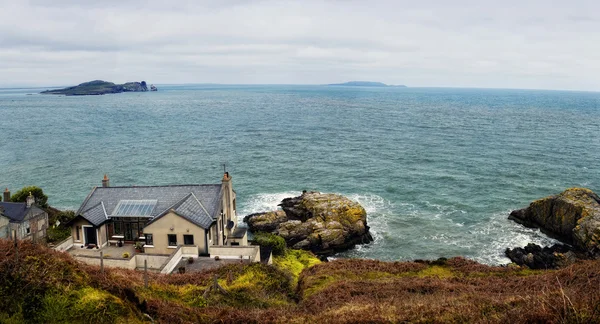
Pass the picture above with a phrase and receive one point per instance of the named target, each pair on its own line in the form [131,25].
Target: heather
[41,285]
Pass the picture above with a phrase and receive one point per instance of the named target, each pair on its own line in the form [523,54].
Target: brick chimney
[6,195]
[30,200]
[105,182]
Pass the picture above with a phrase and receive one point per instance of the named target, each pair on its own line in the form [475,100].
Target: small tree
[40,198]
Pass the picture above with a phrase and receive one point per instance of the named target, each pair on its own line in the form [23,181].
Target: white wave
[263,202]
[499,233]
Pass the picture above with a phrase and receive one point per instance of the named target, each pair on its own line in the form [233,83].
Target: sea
[437,169]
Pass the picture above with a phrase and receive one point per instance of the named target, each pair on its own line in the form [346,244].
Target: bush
[276,242]
[57,234]
[40,198]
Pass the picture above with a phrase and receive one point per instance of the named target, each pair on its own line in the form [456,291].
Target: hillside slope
[47,286]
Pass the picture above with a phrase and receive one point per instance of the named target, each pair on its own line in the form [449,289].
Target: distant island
[365,84]
[99,87]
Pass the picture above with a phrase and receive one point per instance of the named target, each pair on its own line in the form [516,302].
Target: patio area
[109,251]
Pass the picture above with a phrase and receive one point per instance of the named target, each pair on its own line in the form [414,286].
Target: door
[128,232]
[90,236]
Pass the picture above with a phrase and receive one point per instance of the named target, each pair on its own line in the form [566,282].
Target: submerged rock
[322,223]
[572,216]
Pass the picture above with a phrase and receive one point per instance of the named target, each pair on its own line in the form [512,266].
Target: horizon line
[314,84]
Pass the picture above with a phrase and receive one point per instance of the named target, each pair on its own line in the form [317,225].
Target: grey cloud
[534,44]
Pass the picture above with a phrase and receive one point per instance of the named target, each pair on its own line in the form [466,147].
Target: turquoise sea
[438,170]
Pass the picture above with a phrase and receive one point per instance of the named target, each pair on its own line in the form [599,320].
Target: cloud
[533,44]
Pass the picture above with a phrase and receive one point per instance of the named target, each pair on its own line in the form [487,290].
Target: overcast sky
[505,44]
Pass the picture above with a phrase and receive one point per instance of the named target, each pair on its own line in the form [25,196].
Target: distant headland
[365,84]
[99,87]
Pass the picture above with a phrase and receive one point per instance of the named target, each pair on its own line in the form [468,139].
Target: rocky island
[99,87]
[572,217]
[366,84]
[323,223]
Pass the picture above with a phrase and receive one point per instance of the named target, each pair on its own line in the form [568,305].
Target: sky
[438,43]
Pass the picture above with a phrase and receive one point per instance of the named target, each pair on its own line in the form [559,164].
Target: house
[25,220]
[161,217]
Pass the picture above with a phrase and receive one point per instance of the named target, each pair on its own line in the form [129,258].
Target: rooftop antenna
[224,164]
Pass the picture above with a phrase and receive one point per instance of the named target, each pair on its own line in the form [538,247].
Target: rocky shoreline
[318,222]
[572,217]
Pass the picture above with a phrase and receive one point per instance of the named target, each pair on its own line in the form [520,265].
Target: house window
[172,239]
[235,243]
[188,239]
[28,230]
[209,234]
[77,235]
[149,240]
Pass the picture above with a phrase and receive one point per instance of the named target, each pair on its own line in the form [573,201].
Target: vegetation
[276,242]
[44,286]
[40,198]
[61,232]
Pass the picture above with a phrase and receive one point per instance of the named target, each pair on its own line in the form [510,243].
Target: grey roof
[197,203]
[16,212]
[95,214]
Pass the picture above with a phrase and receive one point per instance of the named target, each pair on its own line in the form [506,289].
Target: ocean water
[438,170]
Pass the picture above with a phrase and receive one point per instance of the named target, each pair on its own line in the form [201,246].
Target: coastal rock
[537,257]
[572,216]
[322,223]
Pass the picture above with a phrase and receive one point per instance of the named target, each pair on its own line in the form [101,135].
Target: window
[188,239]
[235,243]
[77,230]
[209,234]
[149,240]
[172,239]
[28,230]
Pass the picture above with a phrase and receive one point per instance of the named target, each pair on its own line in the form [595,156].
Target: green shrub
[271,240]
[57,234]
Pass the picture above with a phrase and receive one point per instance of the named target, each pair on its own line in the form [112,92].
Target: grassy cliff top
[47,286]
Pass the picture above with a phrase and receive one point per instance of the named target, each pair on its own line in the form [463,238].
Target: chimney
[6,195]
[105,182]
[30,200]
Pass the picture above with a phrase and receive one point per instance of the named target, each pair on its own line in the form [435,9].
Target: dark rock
[537,257]
[322,223]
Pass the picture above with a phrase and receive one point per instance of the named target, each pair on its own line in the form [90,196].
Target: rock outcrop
[537,257]
[573,217]
[322,223]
